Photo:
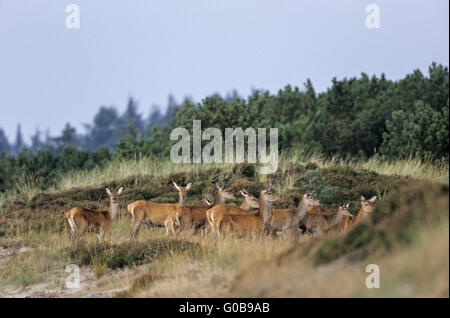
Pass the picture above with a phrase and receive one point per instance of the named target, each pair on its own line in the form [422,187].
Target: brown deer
[248,202]
[194,216]
[287,220]
[317,222]
[154,213]
[344,222]
[82,220]
[250,222]
[347,222]
[367,206]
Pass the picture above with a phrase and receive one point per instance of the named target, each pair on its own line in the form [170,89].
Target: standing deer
[347,222]
[194,216]
[325,222]
[343,218]
[251,222]
[367,206]
[154,213]
[248,202]
[322,223]
[287,220]
[344,224]
[82,220]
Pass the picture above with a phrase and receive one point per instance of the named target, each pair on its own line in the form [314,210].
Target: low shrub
[129,254]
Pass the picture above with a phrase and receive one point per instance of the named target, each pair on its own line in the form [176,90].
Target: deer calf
[83,220]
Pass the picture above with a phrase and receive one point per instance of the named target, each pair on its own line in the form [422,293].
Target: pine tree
[103,132]
[19,144]
[36,142]
[130,123]
[4,144]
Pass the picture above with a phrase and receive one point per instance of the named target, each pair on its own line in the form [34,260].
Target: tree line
[357,117]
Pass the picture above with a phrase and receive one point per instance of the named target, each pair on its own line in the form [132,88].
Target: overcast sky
[50,75]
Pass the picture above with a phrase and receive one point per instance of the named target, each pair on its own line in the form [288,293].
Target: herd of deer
[219,217]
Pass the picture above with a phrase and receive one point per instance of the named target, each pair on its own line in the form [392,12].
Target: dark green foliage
[355,118]
[422,133]
[41,168]
[4,144]
[129,254]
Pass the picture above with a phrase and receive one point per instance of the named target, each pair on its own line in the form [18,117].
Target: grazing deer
[248,202]
[194,216]
[82,219]
[154,213]
[287,220]
[248,223]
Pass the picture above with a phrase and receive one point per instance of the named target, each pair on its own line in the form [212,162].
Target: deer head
[309,200]
[344,210]
[368,205]
[182,191]
[114,199]
[250,199]
[222,193]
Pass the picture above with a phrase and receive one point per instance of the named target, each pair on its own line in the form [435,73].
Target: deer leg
[101,235]
[168,226]
[72,235]
[135,230]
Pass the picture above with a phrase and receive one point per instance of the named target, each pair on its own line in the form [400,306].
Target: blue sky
[50,75]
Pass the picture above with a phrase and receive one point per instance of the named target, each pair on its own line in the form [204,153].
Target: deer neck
[114,209]
[336,218]
[219,199]
[265,209]
[181,202]
[302,208]
[361,214]
[245,205]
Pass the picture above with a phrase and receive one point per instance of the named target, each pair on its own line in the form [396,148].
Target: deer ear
[373,199]
[119,192]
[188,186]
[208,202]
[363,199]
[108,191]
[217,185]
[243,193]
[348,204]
[176,185]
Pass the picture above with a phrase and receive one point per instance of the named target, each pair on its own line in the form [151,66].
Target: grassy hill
[407,235]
